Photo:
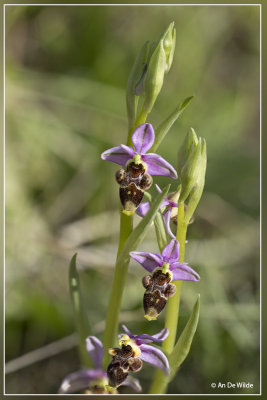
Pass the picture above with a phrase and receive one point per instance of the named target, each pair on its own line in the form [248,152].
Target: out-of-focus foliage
[66,75]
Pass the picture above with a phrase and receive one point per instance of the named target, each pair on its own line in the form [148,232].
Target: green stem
[160,382]
[131,122]
[115,299]
[141,119]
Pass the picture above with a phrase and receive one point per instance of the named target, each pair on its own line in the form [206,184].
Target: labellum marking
[133,181]
[158,290]
[123,360]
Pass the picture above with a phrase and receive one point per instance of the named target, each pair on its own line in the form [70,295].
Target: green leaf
[162,235]
[166,125]
[138,234]
[183,344]
[80,317]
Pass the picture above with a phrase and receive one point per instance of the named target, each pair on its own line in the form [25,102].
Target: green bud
[154,77]
[160,60]
[169,40]
[188,146]
[190,160]
[197,191]
[134,85]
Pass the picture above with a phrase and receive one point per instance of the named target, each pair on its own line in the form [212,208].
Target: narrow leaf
[182,347]
[138,234]
[162,235]
[80,317]
[160,229]
[166,125]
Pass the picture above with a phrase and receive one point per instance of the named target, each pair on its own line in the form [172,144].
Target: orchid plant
[111,367]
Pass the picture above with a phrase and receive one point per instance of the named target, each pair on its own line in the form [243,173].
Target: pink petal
[143,138]
[127,331]
[182,272]
[167,221]
[119,155]
[95,349]
[149,261]
[157,166]
[158,337]
[171,252]
[155,357]
[80,380]
[158,188]
[143,209]
[133,383]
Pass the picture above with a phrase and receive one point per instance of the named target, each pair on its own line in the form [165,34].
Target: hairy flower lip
[143,138]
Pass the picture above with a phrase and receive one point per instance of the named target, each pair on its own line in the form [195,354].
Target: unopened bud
[196,193]
[188,145]
[154,77]
[159,63]
[135,82]
[169,40]
[190,163]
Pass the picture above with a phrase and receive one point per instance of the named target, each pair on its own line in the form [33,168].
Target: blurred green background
[66,74]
